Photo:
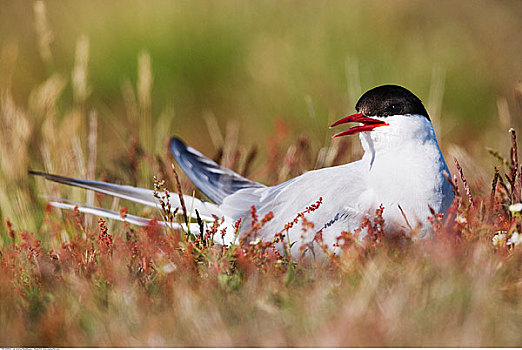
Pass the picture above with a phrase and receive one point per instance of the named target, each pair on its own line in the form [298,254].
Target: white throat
[406,167]
[401,131]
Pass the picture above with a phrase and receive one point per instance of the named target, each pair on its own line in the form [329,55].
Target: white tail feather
[132,219]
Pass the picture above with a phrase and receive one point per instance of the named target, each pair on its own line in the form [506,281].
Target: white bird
[402,169]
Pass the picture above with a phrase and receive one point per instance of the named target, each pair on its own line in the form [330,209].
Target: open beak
[368,124]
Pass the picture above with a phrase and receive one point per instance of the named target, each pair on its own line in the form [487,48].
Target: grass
[67,106]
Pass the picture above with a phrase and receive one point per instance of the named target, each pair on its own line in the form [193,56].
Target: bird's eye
[393,109]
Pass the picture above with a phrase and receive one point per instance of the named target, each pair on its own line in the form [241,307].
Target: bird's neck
[406,169]
[401,131]
[402,134]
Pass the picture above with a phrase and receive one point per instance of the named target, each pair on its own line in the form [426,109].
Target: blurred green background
[257,60]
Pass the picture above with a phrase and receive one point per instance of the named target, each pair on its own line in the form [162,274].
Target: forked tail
[134,194]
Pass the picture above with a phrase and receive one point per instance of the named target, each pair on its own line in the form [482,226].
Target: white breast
[406,168]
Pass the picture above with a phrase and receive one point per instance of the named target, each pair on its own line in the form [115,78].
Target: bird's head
[386,109]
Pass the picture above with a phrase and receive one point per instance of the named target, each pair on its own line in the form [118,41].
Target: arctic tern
[402,169]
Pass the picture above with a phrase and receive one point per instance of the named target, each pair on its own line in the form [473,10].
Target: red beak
[368,124]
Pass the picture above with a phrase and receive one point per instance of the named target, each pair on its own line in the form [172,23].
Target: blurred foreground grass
[95,89]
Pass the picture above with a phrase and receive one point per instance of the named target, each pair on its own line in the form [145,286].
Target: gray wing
[212,179]
[340,188]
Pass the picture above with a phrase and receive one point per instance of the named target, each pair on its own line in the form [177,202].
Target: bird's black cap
[387,100]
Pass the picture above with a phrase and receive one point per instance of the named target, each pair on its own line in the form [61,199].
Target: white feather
[132,219]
